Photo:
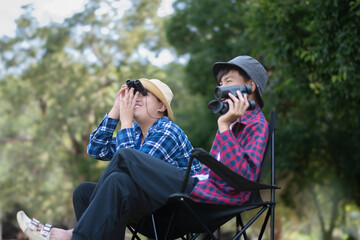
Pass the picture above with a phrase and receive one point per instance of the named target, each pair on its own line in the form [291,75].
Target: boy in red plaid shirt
[241,138]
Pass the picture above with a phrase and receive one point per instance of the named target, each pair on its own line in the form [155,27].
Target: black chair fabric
[181,215]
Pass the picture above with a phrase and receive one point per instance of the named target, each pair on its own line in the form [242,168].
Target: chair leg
[218,233]
[268,214]
[133,231]
[171,222]
[272,223]
[239,222]
[250,222]
[154,226]
[193,236]
[200,221]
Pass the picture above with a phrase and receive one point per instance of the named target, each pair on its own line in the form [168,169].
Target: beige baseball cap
[161,91]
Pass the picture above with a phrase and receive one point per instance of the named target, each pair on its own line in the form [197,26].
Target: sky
[45,11]
[57,10]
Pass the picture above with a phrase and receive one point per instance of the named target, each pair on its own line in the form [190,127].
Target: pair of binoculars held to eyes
[222,92]
[137,85]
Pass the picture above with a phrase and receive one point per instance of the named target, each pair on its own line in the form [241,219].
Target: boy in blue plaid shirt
[153,131]
[147,126]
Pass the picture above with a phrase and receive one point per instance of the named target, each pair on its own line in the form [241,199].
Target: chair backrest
[269,146]
[269,149]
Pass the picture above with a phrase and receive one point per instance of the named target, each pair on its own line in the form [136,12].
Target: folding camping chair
[184,218]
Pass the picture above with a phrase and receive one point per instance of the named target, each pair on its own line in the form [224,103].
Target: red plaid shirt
[241,149]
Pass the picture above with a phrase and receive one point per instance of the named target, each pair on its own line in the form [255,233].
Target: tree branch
[317,206]
[15,139]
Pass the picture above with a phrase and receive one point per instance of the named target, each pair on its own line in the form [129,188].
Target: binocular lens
[137,85]
[218,107]
[218,93]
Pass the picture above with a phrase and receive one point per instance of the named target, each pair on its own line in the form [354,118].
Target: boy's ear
[253,86]
[162,108]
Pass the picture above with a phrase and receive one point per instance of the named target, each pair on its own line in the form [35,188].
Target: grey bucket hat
[252,67]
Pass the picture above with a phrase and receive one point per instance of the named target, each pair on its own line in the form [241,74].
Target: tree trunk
[1,235]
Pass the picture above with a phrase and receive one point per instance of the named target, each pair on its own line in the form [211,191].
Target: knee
[117,180]
[83,190]
[113,178]
[121,158]
[125,153]
[120,152]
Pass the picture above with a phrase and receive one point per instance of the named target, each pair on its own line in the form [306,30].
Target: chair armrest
[235,180]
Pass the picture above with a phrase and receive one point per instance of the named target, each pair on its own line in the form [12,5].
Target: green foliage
[209,31]
[191,112]
[311,51]
[314,49]
[56,84]
[318,84]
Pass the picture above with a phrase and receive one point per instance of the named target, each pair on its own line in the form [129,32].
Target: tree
[311,52]
[208,31]
[57,82]
[316,50]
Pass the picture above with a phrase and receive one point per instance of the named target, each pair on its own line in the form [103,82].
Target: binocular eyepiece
[137,85]
[221,92]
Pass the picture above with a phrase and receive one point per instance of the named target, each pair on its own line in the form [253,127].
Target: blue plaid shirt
[164,140]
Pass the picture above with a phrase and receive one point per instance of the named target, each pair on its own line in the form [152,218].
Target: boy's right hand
[115,110]
[127,105]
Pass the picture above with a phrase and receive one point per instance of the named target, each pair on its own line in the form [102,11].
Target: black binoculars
[221,92]
[137,85]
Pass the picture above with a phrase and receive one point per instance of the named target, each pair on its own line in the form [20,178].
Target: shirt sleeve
[102,144]
[243,155]
[126,138]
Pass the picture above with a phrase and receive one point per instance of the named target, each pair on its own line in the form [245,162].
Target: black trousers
[134,184]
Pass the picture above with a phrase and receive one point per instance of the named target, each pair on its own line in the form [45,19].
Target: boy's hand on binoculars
[123,88]
[115,110]
[127,104]
[237,107]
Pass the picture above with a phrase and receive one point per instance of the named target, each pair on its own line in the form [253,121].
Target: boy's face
[232,78]
[147,107]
